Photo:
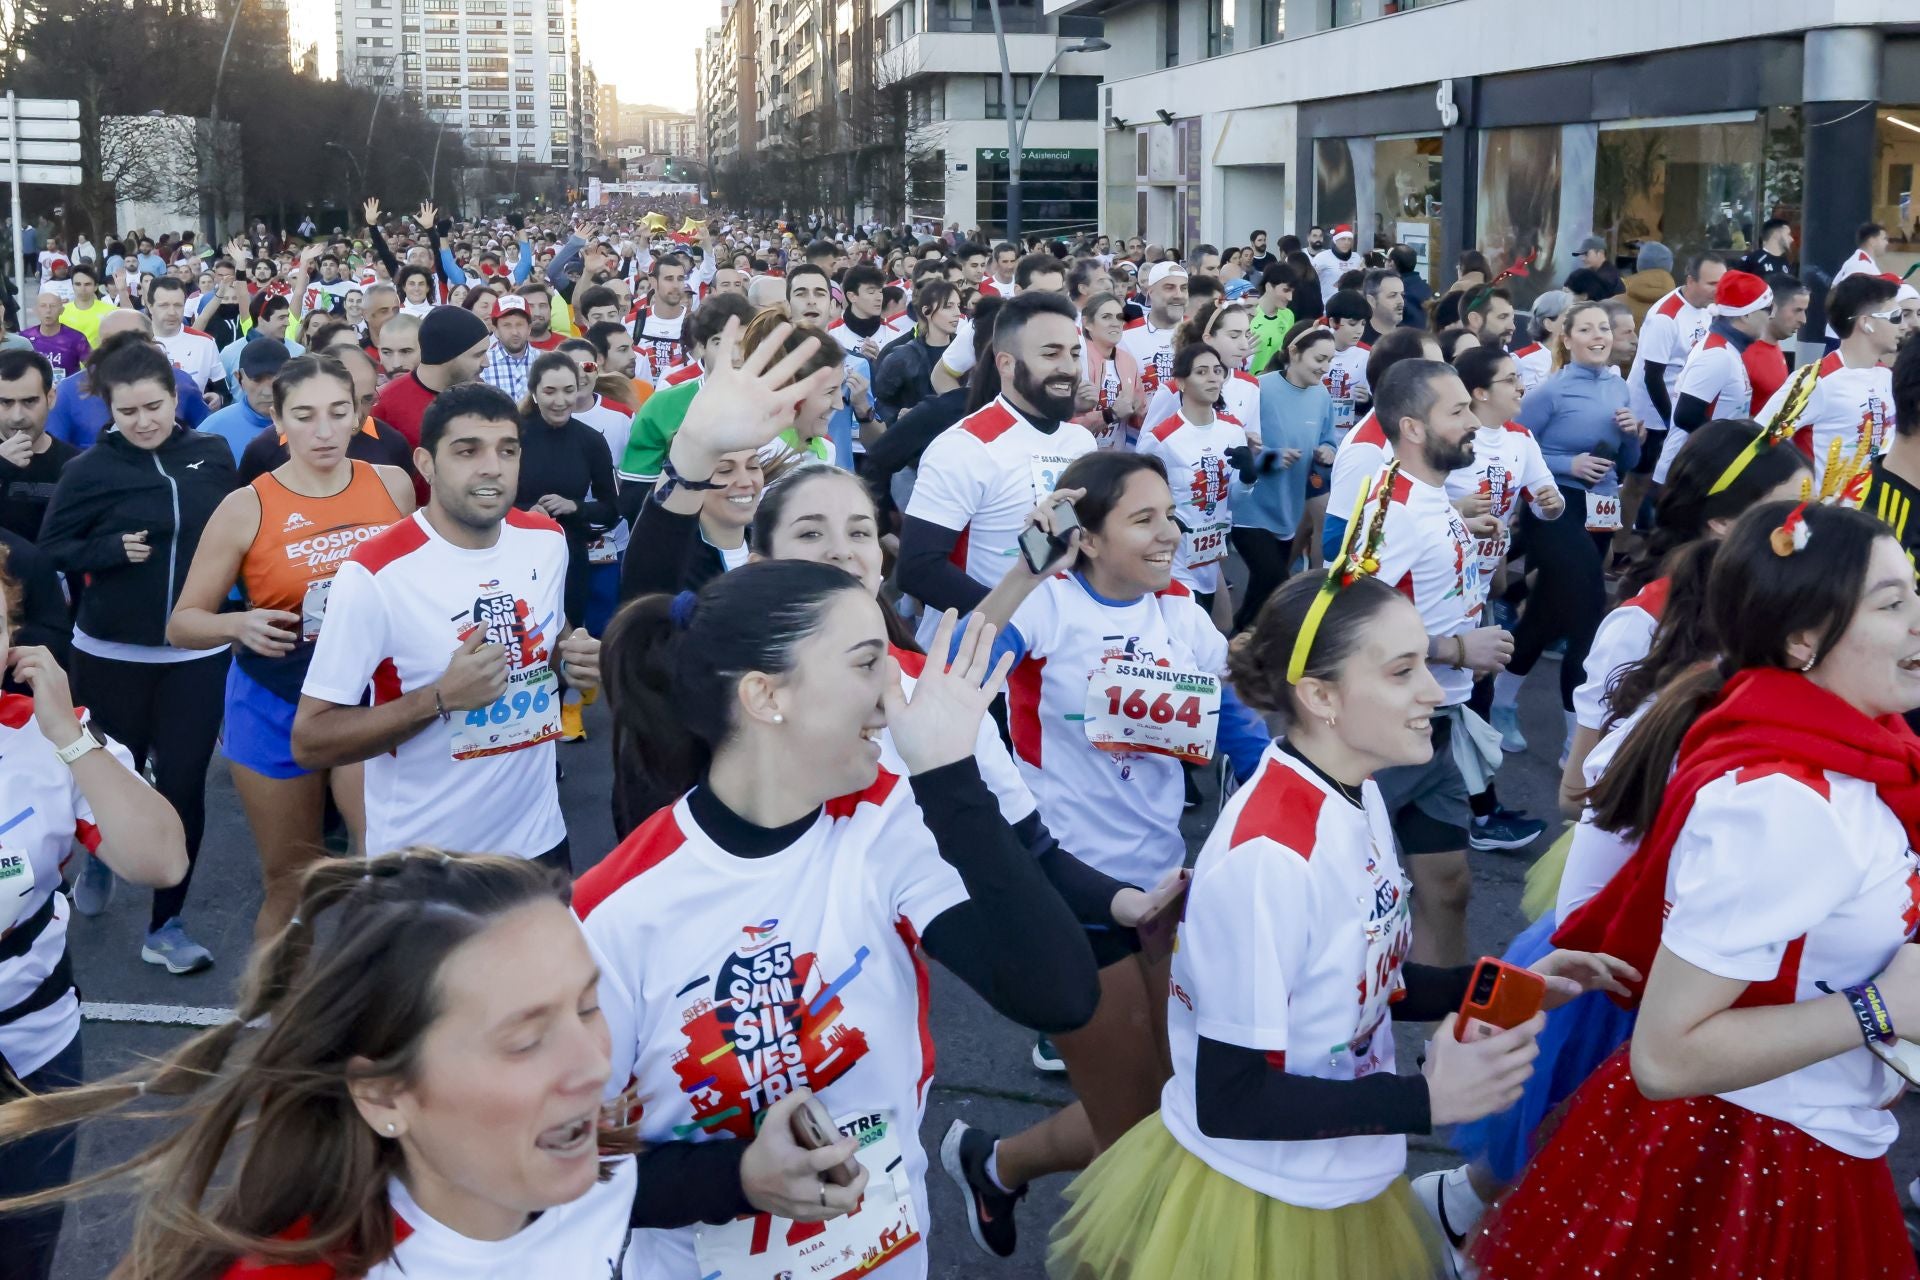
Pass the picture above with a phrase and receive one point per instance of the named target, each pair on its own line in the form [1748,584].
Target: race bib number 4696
[527,714]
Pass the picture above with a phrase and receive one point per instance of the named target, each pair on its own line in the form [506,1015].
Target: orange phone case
[1500,995]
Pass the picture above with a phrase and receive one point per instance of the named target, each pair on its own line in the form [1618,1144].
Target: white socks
[1506,689]
[993,1170]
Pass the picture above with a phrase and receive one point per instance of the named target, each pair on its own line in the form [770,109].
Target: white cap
[1162,270]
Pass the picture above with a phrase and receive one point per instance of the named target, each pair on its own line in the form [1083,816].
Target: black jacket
[117,487]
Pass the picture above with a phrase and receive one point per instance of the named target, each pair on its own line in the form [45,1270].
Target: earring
[778,718]
[1808,665]
[391,1129]
[1332,722]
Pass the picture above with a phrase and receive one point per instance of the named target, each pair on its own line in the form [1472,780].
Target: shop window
[1897,139]
[1406,197]
[1519,206]
[1333,185]
[1689,185]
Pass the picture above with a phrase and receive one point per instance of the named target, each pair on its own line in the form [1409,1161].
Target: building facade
[1513,127]
[506,73]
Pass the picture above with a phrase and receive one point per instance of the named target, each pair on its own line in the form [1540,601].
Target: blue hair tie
[681,611]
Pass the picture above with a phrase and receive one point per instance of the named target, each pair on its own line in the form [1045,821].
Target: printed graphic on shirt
[765,1023]
[528,713]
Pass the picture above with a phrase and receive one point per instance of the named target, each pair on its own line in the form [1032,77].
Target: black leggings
[1569,593]
[45,1160]
[168,712]
[1268,557]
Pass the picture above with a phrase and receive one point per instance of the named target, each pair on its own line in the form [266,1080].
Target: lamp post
[1017,130]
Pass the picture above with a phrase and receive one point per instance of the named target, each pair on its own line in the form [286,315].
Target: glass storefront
[1519,206]
[1406,197]
[1897,132]
[1060,191]
[1690,185]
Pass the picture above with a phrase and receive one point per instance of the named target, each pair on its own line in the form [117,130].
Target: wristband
[1876,1021]
[1459,653]
[671,479]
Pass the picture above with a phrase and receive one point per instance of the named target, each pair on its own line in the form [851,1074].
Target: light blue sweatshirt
[1290,418]
[1571,413]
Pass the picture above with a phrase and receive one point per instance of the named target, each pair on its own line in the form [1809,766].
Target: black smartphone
[1040,548]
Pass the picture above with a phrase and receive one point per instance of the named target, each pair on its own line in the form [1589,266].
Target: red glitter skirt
[1700,1189]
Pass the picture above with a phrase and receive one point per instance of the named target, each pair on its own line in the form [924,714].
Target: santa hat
[1343,230]
[1741,293]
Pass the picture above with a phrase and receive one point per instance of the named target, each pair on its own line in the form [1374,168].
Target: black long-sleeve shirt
[666,552]
[571,460]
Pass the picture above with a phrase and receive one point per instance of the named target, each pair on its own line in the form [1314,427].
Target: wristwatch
[78,747]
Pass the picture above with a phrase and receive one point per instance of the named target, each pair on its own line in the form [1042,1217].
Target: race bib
[16,886]
[1603,512]
[602,551]
[1156,710]
[527,714]
[1044,469]
[763,1247]
[1389,931]
[313,608]
[1205,545]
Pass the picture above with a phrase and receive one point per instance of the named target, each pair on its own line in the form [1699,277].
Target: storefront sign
[1068,155]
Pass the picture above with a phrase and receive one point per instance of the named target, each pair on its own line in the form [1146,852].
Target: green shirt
[1270,331]
[652,432]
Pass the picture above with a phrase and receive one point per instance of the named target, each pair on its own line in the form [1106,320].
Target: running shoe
[1046,1057]
[1507,721]
[573,727]
[963,1154]
[169,945]
[1504,829]
[1430,1190]
[93,887]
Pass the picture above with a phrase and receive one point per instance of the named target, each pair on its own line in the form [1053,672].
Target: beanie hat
[448,332]
[1741,293]
[1654,256]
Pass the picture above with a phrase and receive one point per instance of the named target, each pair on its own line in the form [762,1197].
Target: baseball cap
[1592,244]
[1162,270]
[511,303]
[263,357]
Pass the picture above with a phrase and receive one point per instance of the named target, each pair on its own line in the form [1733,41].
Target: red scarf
[1766,718]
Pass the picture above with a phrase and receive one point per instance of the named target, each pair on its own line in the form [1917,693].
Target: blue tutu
[1580,1035]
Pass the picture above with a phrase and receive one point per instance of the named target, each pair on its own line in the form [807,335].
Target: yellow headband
[1799,392]
[1347,568]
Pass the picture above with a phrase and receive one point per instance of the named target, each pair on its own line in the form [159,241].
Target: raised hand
[746,407]
[372,211]
[941,722]
[429,213]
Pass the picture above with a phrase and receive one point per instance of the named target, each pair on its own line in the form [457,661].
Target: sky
[658,68]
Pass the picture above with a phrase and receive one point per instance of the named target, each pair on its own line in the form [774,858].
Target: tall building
[659,130]
[728,117]
[607,119]
[1504,126]
[312,34]
[506,73]
[944,54]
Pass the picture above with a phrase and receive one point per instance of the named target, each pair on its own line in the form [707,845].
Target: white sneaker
[1430,1190]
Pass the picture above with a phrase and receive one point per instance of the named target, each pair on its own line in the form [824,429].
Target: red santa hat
[1343,230]
[1741,293]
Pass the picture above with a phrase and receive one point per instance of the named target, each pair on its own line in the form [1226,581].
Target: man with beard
[981,477]
[1149,340]
[510,357]
[1428,554]
[405,619]
[1336,260]
[1487,312]
[656,327]
[541,335]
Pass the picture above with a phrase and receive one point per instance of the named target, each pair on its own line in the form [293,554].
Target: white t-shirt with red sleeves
[481,781]
[1716,372]
[1117,811]
[1363,453]
[1240,393]
[1859,263]
[195,352]
[43,815]
[1533,363]
[1195,455]
[587,1237]
[1295,929]
[1848,404]
[727,982]
[1346,382]
[1508,469]
[1427,555]
[1595,854]
[982,476]
[1152,349]
[657,349]
[851,342]
[1672,327]
[1624,637]
[1799,883]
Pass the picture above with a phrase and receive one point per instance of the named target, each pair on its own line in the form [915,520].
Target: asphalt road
[983,1074]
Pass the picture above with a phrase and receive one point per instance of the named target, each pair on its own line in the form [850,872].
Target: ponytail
[1627,798]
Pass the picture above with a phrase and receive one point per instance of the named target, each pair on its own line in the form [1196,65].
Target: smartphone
[1605,450]
[813,1129]
[1499,996]
[1040,548]
[1158,930]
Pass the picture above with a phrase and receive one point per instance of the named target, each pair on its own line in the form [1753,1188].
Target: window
[928,104]
[1079,97]
[1273,21]
[1343,13]
[1022,91]
[523,102]
[1219,27]
[1170,31]
[1022,16]
[1076,28]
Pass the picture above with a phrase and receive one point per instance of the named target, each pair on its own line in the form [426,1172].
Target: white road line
[165,1015]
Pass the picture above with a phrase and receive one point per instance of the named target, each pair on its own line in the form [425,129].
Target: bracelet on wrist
[1459,653]
[1871,1012]
[440,708]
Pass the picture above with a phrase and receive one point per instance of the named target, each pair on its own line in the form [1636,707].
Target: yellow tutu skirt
[1148,1209]
[1543,877]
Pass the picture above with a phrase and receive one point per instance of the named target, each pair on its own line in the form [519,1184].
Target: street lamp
[1017,130]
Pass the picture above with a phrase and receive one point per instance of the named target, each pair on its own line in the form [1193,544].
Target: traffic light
[669,167]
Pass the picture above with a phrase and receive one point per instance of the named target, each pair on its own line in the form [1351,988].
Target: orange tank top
[303,541]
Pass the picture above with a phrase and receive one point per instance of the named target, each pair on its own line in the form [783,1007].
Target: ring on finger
[823,1193]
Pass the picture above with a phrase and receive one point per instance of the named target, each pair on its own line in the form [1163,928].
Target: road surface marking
[165,1015]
